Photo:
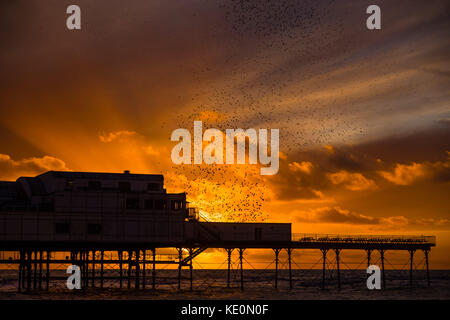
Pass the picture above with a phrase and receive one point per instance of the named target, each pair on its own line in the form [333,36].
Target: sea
[257,285]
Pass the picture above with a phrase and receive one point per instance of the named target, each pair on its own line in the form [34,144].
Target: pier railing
[379,239]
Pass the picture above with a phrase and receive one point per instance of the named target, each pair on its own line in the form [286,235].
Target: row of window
[123,186]
[154,204]
[64,228]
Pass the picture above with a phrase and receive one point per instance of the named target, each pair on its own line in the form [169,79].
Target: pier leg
[338,269]
[129,270]
[324,257]
[83,270]
[369,254]
[382,268]
[190,268]
[24,271]
[120,254]
[289,252]
[180,256]
[154,269]
[102,258]
[277,251]
[28,270]
[19,280]
[229,251]
[40,270]
[411,265]
[35,270]
[93,269]
[241,253]
[143,268]
[47,270]
[427,265]
[138,269]
[86,273]
[86,263]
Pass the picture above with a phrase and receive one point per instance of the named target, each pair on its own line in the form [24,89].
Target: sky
[364,116]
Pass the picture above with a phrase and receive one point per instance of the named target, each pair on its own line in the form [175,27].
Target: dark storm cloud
[404,160]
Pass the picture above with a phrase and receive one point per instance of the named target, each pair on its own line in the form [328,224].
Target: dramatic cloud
[297,180]
[304,166]
[12,169]
[351,181]
[407,174]
[111,136]
[334,215]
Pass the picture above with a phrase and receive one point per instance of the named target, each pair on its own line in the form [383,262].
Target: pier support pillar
[35,259]
[190,268]
[180,257]
[86,262]
[411,266]
[154,269]
[129,270]
[47,270]
[289,252]
[143,268]
[324,261]
[229,251]
[93,269]
[20,275]
[382,268]
[120,254]
[28,270]
[369,254]
[337,251]
[277,251]
[426,251]
[241,256]
[137,275]
[102,261]
[40,271]
[84,268]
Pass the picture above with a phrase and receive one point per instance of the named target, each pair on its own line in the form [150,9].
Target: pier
[122,221]
[137,263]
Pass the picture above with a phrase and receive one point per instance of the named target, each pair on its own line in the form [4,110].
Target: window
[94,228]
[153,186]
[62,228]
[94,185]
[177,205]
[258,232]
[132,203]
[160,204]
[124,186]
[148,204]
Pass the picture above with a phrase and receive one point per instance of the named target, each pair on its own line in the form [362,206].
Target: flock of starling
[274,46]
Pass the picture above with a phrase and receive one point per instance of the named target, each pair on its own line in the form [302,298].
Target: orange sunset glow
[364,118]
